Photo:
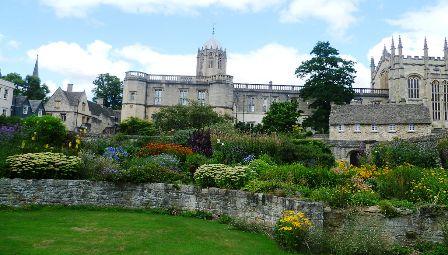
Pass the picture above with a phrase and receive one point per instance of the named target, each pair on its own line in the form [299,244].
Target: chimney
[100,101]
[70,87]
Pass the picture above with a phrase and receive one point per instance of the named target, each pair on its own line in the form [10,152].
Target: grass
[51,230]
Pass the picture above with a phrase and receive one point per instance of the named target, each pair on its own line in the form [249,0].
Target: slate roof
[97,109]
[73,97]
[34,104]
[380,114]
[19,100]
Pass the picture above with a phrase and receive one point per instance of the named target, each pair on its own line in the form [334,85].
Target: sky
[266,40]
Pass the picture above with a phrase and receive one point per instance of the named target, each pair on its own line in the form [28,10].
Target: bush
[115,153]
[45,165]
[442,147]
[136,126]
[277,188]
[45,130]
[194,161]
[307,152]
[397,182]
[388,209]
[152,149]
[335,197]
[182,136]
[222,176]
[167,161]
[291,231]
[397,153]
[445,232]
[200,142]
[146,171]
[364,198]
[432,187]
[99,168]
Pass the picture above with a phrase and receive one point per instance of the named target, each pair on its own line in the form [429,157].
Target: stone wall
[260,208]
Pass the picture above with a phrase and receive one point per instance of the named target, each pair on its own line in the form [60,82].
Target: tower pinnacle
[36,67]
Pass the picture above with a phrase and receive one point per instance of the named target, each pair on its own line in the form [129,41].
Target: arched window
[210,61]
[384,80]
[445,99]
[435,100]
[413,87]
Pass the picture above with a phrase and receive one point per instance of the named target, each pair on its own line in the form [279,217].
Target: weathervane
[213,30]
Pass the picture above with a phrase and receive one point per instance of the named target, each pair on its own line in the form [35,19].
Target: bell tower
[211,59]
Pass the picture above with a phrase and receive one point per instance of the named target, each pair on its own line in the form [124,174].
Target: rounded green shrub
[45,130]
[46,165]
[136,126]
[222,176]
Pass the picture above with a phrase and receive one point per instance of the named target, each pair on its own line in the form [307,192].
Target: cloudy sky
[265,39]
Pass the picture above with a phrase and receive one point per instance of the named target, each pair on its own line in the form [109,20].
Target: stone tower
[211,59]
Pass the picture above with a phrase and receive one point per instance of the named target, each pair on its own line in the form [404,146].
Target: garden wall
[261,208]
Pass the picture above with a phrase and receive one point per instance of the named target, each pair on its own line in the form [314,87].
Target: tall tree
[33,89]
[110,89]
[17,80]
[329,79]
[281,117]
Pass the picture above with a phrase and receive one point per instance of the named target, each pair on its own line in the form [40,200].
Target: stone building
[414,80]
[379,122]
[77,112]
[6,95]
[144,94]
[23,107]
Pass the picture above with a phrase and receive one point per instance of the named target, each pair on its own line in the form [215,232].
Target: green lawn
[76,231]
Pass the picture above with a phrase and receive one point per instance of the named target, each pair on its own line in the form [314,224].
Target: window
[392,128]
[158,97]
[265,104]
[251,105]
[210,61]
[445,99]
[413,87]
[201,97]
[5,94]
[357,128]
[374,128]
[83,119]
[4,112]
[132,95]
[435,100]
[411,127]
[183,97]
[39,113]
[25,109]
[57,104]
[83,107]
[63,116]
[340,128]
[220,63]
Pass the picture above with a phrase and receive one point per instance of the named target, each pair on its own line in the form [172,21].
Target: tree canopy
[281,117]
[329,79]
[110,89]
[30,87]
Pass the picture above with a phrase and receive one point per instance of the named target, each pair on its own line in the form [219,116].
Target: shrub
[277,188]
[182,136]
[136,126]
[442,147]
[99,168]
[307,152]
[445,232]
[432,187]
[147,171]
[397,182]
[167,161]
[291,231]
[388,209]
[45,130]
[336,197]
[193,161]
[200,142]
[115,153]
[397,153]
[152,149]
[222,176]
[364,198]
[45,165]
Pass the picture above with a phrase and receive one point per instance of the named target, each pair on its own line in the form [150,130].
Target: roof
[380,114]
[7,83]
[19,100]
[97,109]
[212,43]
[34,104]
[73,97]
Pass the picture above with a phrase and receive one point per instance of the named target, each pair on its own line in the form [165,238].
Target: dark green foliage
[110,89]
[307,152]
[364,198]
[141,170]
[182,136]
[200,142]
[329,80]
[136,126]
[442,147]
[34,90]
[45,130]
[281,117]
[179,117]
[277,188]
[192,162]
[388,209]
[17,80]
[400,152]
[397,182]
[9,120]
[246,127]
[334,196]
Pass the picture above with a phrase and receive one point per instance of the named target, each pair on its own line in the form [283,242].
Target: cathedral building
[144,94]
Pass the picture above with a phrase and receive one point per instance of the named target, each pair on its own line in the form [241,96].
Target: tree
[17,80]
[329,80]
[110,89]
[33,90]
[193,116]
[281,117]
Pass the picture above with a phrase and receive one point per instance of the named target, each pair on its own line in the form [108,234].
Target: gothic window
[384,80]
[210,61]
[158,96]
[201,97]
[132,95]
[183,97]
[445,99]
[435,100]
[83,108]
[251,106]
[413,87]
[5,95]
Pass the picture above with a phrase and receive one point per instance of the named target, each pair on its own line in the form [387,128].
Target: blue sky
[265,39]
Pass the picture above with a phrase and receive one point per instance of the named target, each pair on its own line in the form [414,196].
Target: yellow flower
[69,144]
[46,146]
[23,144]
[78,141]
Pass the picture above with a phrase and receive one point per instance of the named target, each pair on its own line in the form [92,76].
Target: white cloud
[80,65]
[338,14]
[13,44]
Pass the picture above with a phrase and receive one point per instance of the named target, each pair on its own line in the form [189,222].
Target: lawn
[84,231]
